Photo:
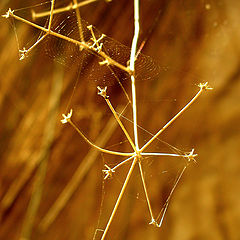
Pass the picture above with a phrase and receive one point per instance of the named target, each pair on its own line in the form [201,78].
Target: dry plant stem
[132,68]
[79,174]
[95,146]
[120,123]
[119,197]
[163,154]
[51,15]
[145,189]
[24,51]
[109,171]
[79,21]
[137,155]
[118,80]
[81,44]
[63,9]
[173,119]
[123,162]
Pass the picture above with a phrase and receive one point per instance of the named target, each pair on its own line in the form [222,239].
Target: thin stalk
[123,162]
[145,190]
[109,171]
[104,56]
[79,21]
[95,146]
[63,9]
[119,197]
[120,123]
[172,120]
[51,15]
[132,68]
[164,154]
[23,52]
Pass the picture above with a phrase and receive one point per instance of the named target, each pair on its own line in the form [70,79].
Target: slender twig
[109,171]
[103,93]
[145,189]
[63,9]
[79,21]
[104,56]
[51,15]
[119,197]
[95,46]
[203,86]
[67,119]
[132,68]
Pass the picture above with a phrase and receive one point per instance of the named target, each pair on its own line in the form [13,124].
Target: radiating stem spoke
[95,46]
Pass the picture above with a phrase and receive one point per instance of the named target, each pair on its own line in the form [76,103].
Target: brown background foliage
[194,41]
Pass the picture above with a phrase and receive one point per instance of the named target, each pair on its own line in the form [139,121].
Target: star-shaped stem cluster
[136,157]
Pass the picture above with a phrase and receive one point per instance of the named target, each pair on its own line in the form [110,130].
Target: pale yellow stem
[119,197]
[132,68]
[145,190]
[97,147]
[82,44]
[79,21]
[172,120]
[63,9]
[120,124]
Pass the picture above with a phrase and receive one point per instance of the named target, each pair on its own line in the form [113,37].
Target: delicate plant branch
[132,68]
[145,189]
[109,171]
[69,7]
[51,15]
[79,21]
[106,59]
[203,87]
[119,197]
[67,119]
[95,46]
[103,92]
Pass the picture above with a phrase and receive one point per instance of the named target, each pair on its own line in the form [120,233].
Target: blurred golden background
[44,162]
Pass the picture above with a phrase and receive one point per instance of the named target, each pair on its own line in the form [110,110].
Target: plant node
[96,41]
[104,62]
[191,156]
[154,223]
[8,13]
[205,86]
[23,53]
[102,92]
[108,172]
[67,118]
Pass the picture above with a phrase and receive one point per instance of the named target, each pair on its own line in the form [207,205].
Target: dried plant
[91,41]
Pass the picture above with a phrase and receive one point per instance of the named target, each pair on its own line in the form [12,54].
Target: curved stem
[95,146]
